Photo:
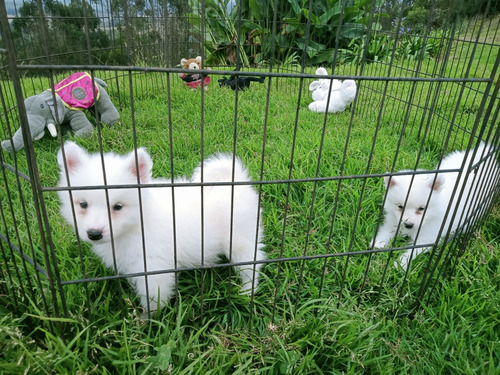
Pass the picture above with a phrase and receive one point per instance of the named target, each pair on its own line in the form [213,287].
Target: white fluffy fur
[342,93]
[123,210]
[422,201]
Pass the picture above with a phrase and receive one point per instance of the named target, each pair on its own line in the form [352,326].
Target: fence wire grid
[421,94]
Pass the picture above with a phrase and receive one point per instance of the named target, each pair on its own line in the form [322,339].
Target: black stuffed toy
[239,83]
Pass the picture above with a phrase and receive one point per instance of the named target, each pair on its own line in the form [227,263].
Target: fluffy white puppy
[161,228]
[417,205]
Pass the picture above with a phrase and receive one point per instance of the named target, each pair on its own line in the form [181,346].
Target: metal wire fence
[318,176]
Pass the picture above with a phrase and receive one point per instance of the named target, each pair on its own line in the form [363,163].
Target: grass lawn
[344,314]
[457,333]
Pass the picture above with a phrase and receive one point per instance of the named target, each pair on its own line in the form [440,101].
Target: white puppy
[416,205]
[161,228]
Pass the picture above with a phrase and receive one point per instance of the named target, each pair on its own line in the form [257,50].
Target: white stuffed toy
[342,93]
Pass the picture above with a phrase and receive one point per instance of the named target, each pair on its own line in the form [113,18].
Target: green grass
[325,325]
[457,333]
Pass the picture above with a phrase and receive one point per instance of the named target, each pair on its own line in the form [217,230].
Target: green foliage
[416,21]
[256,45]
[419,15]
[150,32]
[132,32]
[296,24]
[220,30]
[379,49]
[310,32]
[68,33]
[418,48]
[432,14]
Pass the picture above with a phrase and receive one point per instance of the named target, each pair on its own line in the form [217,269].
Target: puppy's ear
[389,181]
[71,155]
[437,183]
[142,166]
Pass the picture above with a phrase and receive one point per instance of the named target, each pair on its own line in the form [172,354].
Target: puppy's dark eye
[400,206]
[117,206]
[84,204]
[421,209]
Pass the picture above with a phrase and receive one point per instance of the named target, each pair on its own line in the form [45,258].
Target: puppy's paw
[379,243]
[403,261]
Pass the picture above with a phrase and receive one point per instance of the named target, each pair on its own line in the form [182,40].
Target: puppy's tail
[221,168]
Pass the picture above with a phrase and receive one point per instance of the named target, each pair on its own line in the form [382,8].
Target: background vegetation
[160,33]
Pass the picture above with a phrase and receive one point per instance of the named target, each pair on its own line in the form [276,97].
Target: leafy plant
[416,47]
[379,48]
[223,41]
[319,25]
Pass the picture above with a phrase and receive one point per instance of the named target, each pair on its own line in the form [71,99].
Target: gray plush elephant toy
[72,95]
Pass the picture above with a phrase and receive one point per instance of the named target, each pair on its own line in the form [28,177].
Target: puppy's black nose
[409,225]
[94,234]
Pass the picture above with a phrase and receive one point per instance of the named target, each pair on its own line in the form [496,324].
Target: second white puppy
[161,228]
[417,204]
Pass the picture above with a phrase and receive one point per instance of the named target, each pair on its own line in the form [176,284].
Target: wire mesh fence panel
[356,153]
